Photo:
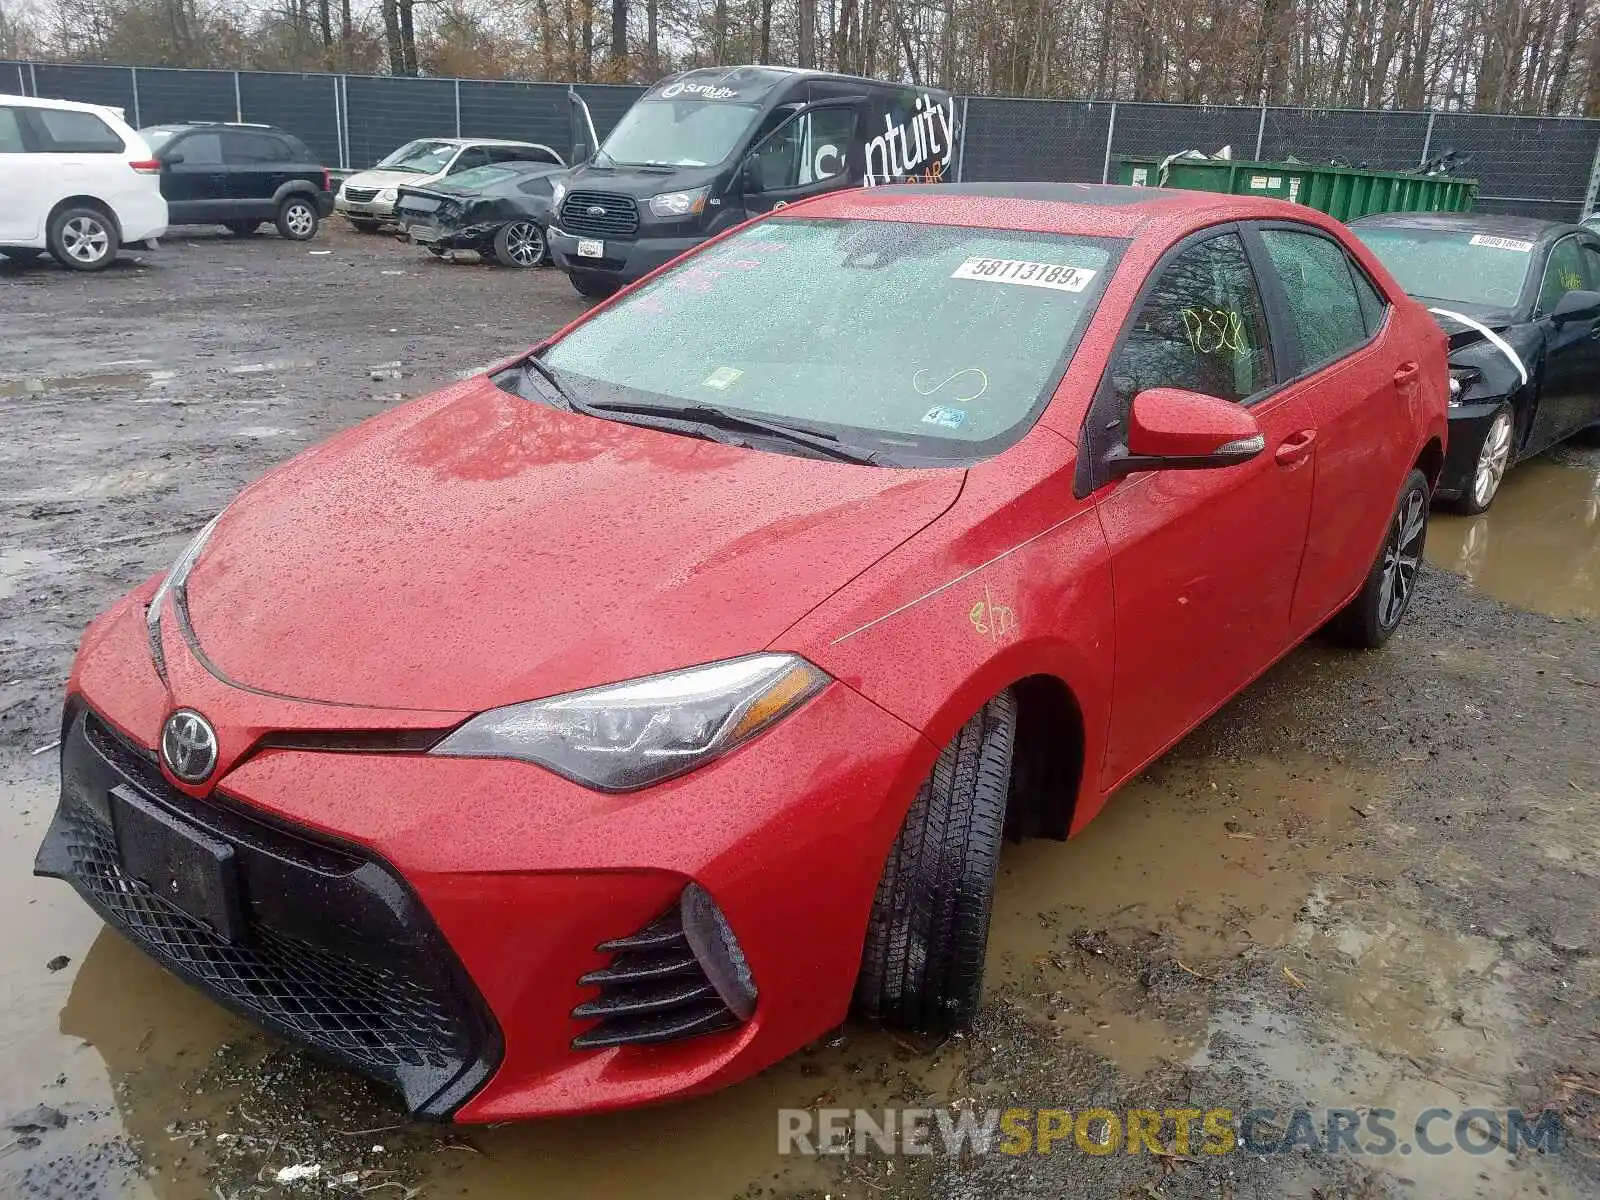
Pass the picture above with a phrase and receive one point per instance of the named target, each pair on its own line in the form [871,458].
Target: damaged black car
[499,211]
[1520,302]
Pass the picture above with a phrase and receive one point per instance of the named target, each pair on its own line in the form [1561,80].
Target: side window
[1591,262]
[73,132]
[1563,273]
[1373,306]
[10,132]
[252,149]
[1320,291]
[807,150]
[200,150]
[472,156]
[1202,327]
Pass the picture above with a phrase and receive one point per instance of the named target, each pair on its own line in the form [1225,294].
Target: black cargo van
[708,148]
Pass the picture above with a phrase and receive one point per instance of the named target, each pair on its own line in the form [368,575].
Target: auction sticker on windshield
[1031,274]
[1502,243]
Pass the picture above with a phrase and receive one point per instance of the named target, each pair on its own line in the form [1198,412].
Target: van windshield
[920,344]
[422,158]
[678,133]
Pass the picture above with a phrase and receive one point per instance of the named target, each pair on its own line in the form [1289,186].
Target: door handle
[1406,372]
[1296,447]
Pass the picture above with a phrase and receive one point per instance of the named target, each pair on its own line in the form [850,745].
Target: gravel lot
[1370,882]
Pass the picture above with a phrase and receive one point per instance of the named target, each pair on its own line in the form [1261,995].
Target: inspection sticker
[722,378]
[1030,274]
[1500,243]
[948,418]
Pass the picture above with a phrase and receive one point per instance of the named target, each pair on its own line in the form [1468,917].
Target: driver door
[1572,363]
[812,152]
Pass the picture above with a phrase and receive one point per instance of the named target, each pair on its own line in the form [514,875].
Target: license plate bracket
[179,862]
[589,248]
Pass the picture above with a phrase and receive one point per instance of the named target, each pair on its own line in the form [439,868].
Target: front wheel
[922,963]
[519,244]
[298,219]
[1369,620]
[83,239]
[1489,469]
[596,287]
[364,226]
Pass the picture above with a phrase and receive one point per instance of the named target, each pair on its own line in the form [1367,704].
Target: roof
[750,82]
[47,102]
[1530,229]
[1087,209]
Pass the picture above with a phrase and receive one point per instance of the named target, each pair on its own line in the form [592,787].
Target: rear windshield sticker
[1030,274]
[1500,243]
[722,378]
[947,418]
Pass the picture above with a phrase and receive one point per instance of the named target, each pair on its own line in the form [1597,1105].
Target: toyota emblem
[189,746]
[596,210]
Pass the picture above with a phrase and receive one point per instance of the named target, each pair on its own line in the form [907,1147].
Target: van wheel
[83,239]
[1368,621]
[596,287]
[519,244]
[922,964]
[297,219]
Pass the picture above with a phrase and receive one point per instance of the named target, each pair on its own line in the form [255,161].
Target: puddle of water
[1196,862]
[39,385]
[21,563]
[1538,547]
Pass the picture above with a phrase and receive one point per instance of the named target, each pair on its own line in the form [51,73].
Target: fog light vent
[680,976]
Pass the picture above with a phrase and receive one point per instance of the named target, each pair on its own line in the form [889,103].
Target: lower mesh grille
[653,990]
[351,1008]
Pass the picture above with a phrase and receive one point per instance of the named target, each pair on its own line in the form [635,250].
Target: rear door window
[11,132]
[1325,312]
[72,132]
[253,149]
[1202,327]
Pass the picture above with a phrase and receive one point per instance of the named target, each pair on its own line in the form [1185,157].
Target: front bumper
[501,883]
[374,210]
[621,261]
[1468,424]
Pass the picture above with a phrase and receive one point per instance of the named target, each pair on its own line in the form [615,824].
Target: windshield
[1475,269]
[424,158]
[679,133]
[920,342]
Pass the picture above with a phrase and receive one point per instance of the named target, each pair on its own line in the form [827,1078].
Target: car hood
[474,549]
[1462,333]
[387,179]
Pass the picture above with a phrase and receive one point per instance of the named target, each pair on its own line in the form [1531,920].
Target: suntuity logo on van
[922,146]
[702,91]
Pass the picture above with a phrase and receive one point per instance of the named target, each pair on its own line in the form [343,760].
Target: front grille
[653,990]
[336,951]
[360,195]
[620,218]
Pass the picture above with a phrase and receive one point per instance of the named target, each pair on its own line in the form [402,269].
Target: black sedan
[1520,301]
[500,211]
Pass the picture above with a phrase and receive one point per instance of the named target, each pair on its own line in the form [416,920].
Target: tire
[1369,620]
[519,244]
[922,963]
[364,226]
[297,218]
[1489,465]
[243,228]
[596,287]
[83,239]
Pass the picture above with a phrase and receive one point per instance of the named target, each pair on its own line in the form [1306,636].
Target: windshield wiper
[533,365]
[709,415]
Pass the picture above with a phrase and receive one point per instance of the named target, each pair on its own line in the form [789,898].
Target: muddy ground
[1370,882]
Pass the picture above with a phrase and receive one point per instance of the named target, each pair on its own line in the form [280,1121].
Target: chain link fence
[1537,166]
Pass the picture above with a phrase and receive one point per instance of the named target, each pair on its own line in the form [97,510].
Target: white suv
[74,180]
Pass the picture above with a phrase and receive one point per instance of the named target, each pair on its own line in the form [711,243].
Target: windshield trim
[894,449]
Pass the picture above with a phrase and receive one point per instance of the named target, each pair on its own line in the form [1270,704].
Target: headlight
[389,195]
[629,735]
[176,578]
[679,204]
[558,193]
[1462,380]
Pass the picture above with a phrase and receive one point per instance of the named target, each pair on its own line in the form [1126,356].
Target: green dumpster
[1342,192]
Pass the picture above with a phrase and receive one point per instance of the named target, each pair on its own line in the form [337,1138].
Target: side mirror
[172,160]
[580,152]
[750,175]
[1173,430]
[1576,306]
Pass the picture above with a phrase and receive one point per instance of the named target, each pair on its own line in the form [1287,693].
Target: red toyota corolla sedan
[601,729]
